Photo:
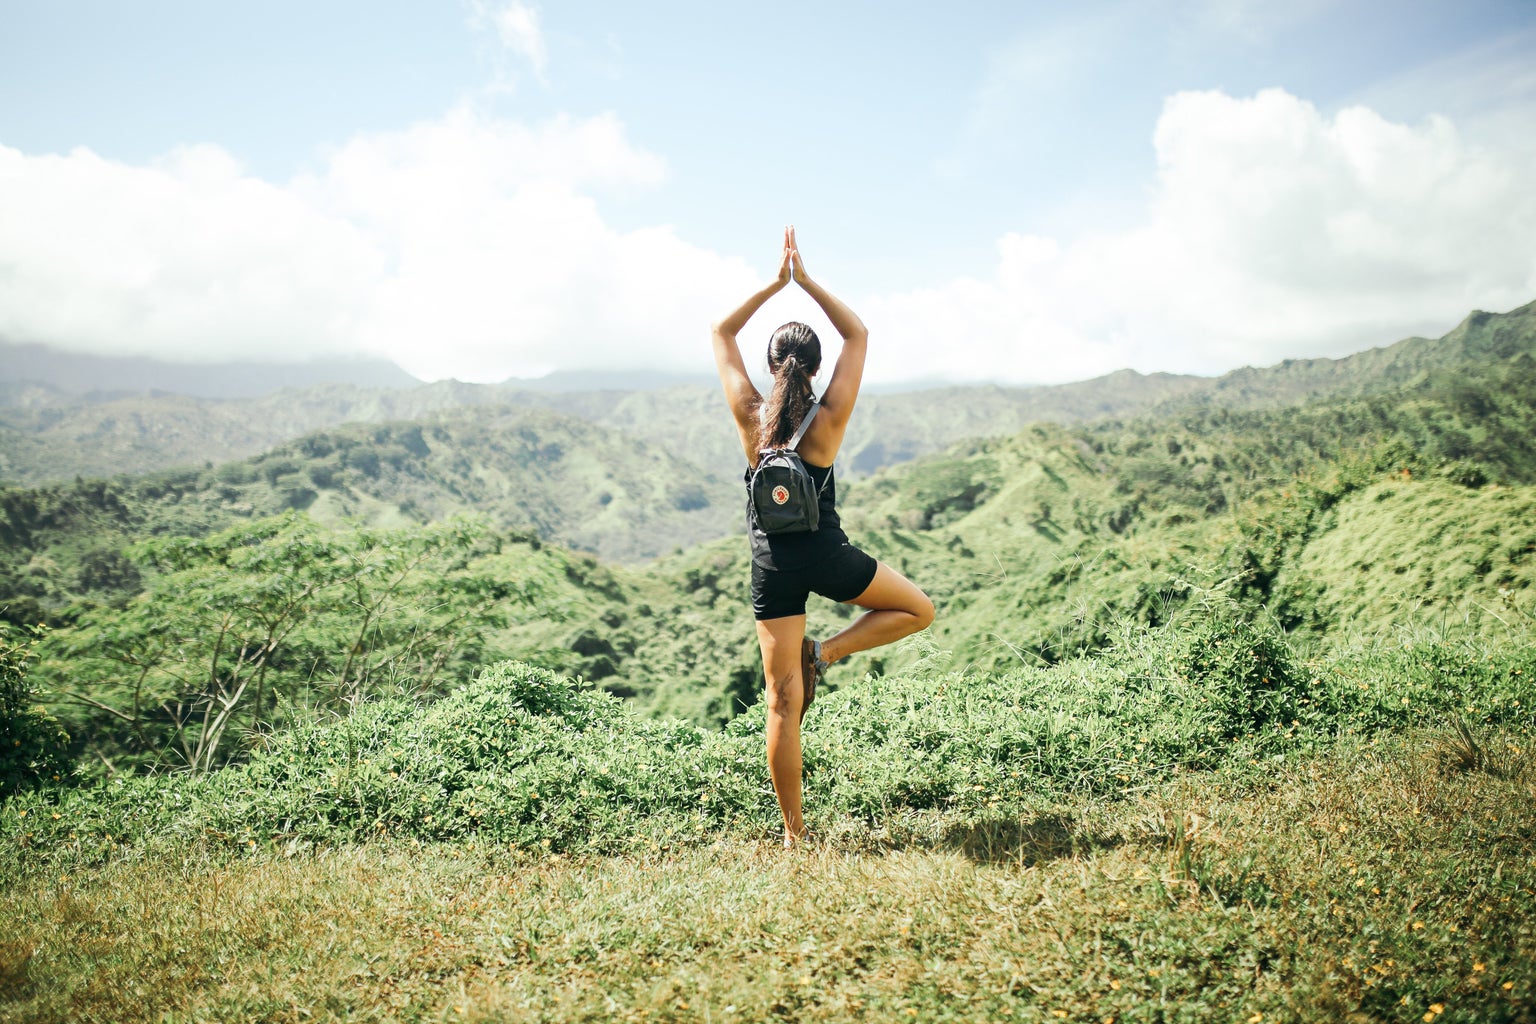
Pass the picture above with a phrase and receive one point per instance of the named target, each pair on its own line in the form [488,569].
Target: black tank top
[789,551]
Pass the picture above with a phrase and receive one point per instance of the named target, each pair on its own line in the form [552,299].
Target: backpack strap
[794,442]
[805,424]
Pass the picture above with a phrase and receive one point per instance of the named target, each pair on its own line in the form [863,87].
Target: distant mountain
[560,478]
[1382,507]
[48,434]
[605,380]
[576,483]
[1480,338]
[79,373]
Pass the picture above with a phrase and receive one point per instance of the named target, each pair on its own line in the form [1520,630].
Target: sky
[1018,192]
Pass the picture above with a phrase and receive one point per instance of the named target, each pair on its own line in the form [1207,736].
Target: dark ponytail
[794,356]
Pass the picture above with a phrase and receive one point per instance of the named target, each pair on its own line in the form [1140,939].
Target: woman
[787,568]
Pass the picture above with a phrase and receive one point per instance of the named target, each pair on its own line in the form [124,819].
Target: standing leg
[897,608]
[780,642]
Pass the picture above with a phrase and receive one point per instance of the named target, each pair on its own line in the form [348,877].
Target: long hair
[794,356]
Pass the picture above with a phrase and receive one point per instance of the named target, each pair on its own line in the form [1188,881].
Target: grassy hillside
[571,482]
[1292,903]
[1133,836]
[1479,339]
[1227,715]
[1381,513]
[109,433]
[53,436]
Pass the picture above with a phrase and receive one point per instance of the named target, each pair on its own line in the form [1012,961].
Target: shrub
[520,756]
[1382,687]
[33,745]
[236,473]
[1243,667]
[527,758]
[284,607]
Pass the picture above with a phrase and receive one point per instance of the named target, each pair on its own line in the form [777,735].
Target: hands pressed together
[844,320]
[790,267]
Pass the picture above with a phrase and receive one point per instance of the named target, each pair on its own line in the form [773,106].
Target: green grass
[1397,546]
[1381,881]
[1197,824]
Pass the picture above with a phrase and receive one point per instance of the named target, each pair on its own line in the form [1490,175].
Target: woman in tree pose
[786,568]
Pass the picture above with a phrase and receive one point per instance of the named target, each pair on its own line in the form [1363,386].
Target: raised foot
[812,665]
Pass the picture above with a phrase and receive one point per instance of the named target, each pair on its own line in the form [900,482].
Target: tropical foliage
[33,746]
[1228,714]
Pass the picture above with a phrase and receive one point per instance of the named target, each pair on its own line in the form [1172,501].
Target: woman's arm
[843,389]
[740,393]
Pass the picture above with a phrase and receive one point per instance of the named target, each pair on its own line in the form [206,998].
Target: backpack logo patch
[780,494]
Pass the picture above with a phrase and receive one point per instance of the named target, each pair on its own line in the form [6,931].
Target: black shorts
[844,574]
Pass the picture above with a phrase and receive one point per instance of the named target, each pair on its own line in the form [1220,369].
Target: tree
[233,625]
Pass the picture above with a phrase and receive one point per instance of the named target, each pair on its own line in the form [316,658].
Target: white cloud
[516,25]
[1272,231]
[501,261]
[188,258]
[467,246]
[519,28]
[476,247]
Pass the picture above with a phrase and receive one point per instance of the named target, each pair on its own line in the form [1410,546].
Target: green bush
[1215,691]
[235,622]
[1381,687]
[527,758]
[33,746]
[1243,667]
[519,756]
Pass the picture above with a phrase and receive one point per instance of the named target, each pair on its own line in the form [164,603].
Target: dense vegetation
[51,436]
[527,470]
[1337,516]
[523,756]
[1196,824]
[1227,715]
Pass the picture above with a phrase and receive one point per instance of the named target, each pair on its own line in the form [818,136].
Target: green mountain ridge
[1480,337]
[1390,512]
[47,435]
[562,478]
[1378,511]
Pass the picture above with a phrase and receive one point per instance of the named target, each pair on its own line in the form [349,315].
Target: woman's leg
[897,608]
[780,642]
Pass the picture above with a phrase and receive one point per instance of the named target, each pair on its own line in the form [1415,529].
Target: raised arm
[740,393]
[843,389]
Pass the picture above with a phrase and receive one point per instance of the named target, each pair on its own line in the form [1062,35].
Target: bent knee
[924,614]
